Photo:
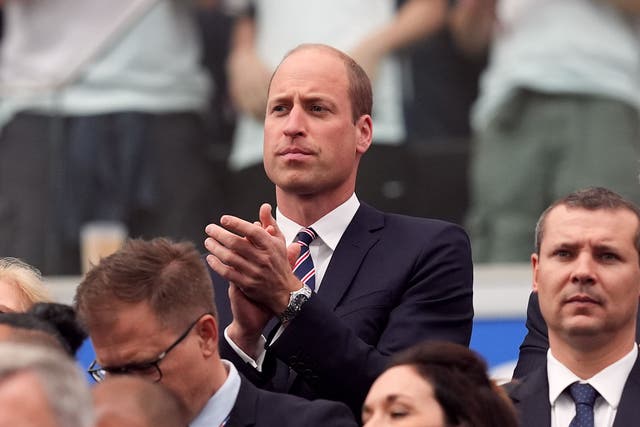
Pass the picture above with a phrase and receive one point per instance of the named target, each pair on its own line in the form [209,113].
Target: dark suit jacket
[260,408]
[533,350]
[393,281]
[530,395]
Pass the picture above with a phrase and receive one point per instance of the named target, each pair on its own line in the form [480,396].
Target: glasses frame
[99,373]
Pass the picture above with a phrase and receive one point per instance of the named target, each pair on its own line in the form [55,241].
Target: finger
[265,216]
[224,270]
[231,260]
[256,235]
[268,221]
[293,252]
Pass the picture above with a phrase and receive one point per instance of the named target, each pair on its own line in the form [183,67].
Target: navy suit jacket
[260,408]
[530,395]
[393,281]
[533,350]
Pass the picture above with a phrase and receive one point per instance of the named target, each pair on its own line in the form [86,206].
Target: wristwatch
[296,301]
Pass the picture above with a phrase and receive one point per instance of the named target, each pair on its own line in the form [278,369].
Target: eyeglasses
[149,370]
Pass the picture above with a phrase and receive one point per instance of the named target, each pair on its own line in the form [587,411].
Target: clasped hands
[257,263]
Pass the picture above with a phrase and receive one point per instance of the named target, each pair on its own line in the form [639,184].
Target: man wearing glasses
[150,312]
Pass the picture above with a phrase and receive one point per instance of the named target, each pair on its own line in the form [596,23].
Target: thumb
[293,252]
[268,222]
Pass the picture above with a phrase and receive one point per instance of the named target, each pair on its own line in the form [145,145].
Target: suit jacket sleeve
[533,350]
[432,301]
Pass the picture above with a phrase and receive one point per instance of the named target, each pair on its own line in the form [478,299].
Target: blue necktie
[584,395]
[303,268]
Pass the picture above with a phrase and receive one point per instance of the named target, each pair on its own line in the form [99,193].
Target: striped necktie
[303,268]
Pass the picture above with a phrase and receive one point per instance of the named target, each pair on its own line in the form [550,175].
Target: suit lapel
[243,413]
[629,410]
[531,398]
[361,234]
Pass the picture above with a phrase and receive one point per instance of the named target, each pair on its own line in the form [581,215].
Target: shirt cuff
[257,363]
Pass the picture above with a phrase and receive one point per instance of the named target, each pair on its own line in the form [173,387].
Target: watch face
[298,300]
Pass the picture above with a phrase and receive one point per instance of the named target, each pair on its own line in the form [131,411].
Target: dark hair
[468,397]
[56,321]
[592,198]
[171,277]
[360,92]
[63,318]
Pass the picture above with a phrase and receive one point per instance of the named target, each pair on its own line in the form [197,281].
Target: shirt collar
[609,382]
[219,406]
[329,228]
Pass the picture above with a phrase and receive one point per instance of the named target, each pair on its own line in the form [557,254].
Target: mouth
[295,153]
[582,299]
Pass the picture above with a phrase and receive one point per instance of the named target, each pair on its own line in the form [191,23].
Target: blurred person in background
[559,109]
[20,286]
[40,386]
[437,384]
[101,118]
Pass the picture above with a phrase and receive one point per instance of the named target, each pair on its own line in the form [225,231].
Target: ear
[364,133]
[535,261]
[207,330]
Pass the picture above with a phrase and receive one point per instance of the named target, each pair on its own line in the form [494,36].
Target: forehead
[312,69]
[133,333]
[11,298]
[598,225]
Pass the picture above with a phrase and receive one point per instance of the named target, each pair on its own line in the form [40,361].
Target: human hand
[248,81]
[249,320]
[368,55]
[471,23]
[255,258]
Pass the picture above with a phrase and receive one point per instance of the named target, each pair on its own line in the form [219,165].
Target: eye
[279,109]
[609,256]
[397,412]
[317,108]
[562,253]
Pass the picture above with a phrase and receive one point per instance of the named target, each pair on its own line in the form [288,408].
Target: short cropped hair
[468,397]
[171,277]
[592,198]
[26,278]
[360,92]
[64,386]
[129,397]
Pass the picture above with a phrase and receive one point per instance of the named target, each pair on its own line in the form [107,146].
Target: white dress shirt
[329,229]
[609,383]
[219,406]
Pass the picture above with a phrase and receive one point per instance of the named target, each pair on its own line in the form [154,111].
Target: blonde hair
[26,278]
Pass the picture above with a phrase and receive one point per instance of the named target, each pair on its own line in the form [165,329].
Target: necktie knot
[583,394]
[305,236]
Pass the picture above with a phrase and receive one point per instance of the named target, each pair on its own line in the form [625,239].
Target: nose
[295,125]
[583,272]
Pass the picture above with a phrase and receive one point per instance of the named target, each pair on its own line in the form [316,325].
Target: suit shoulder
[286,409]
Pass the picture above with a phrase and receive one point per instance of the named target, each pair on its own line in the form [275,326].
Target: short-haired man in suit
[149,309]
[586,273]
[379,283]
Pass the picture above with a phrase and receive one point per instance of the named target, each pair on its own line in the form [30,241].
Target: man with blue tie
[586,273]
[366,284]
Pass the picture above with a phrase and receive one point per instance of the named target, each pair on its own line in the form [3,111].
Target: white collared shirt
[219,406]
[609,383]
[329,229]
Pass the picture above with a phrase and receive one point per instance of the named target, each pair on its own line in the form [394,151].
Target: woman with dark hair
[437,384]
